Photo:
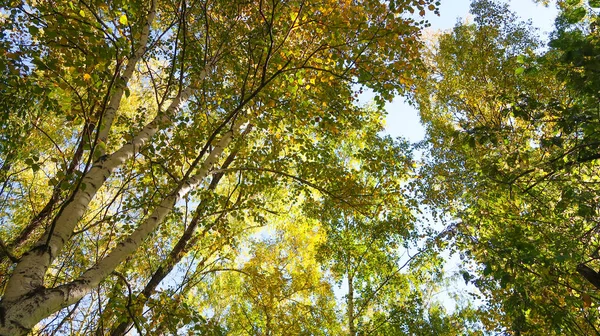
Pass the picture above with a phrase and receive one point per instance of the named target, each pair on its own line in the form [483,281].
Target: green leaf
[561,257]
[519,70]
[575,15]
[65,185]
[33,30]
[594,3]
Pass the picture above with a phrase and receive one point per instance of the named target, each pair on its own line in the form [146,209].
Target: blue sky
[403,120]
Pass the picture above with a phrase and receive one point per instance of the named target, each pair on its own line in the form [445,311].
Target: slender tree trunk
[107,118]
[55,198]
[121,85]
[350,303]
[177,253]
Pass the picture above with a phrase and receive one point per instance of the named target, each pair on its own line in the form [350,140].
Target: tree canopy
[204,167]
[196,166]
[512,156]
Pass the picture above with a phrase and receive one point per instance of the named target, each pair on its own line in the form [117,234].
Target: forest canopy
[205,167]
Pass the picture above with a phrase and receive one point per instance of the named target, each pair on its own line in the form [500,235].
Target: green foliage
[512,139]
[259,242]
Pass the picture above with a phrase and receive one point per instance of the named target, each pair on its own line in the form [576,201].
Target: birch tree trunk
[180,249]
[107,116]
[350,306]
[29,273]
[21,313]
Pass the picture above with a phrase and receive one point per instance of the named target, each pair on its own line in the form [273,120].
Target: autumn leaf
[587,300]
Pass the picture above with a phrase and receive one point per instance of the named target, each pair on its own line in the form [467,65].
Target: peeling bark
[19,316]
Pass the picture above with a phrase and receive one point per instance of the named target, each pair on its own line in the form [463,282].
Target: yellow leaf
[82,13]
[87,77]
[123,19]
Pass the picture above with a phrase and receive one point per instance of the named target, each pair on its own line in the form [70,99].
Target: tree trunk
[30,271]
[20,313]
[177,253]
[351,326]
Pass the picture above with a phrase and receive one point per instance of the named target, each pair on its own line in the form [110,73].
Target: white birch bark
[129,245]
[29,272]
[121,85]
[19,315]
